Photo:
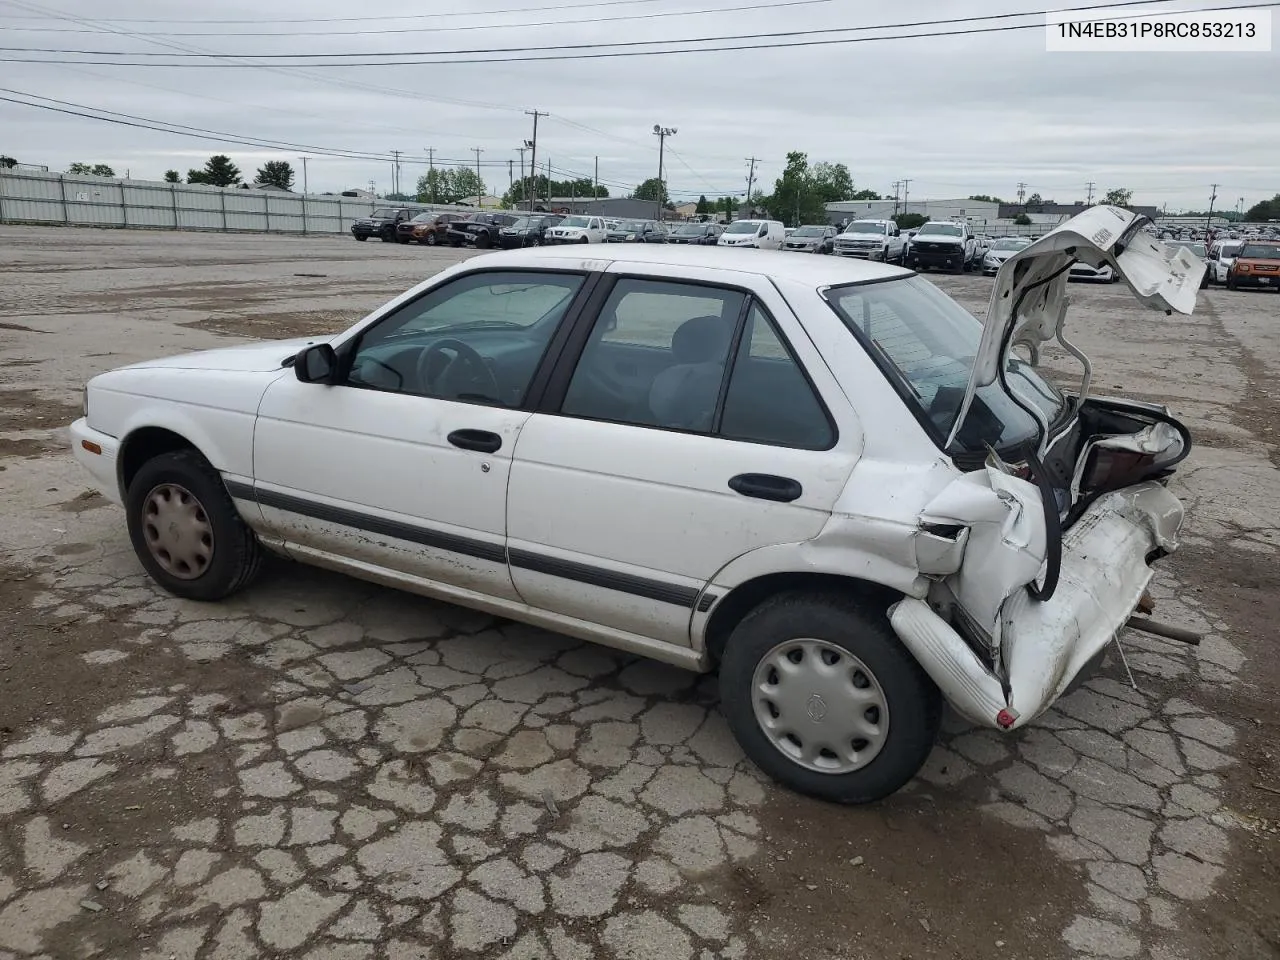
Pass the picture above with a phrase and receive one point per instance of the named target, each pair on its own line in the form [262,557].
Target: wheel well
[144,444]
[745,597]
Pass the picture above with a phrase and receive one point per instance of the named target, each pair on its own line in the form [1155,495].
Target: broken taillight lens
[1112,469]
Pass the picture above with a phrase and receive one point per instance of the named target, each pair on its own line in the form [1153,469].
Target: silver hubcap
[820,705]
[177,531]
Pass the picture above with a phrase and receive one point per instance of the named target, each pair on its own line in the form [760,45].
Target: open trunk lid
[1029,302]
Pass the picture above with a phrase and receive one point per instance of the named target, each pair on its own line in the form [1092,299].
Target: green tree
[1035,200]
[87,170]
[275,173]
[172,176]
[1022,220]
[218,171]
[833,181]
[865,195]
[985,198]
[909,221]
[520,191]
[802,193]
[442,185]
[1118,197]
[1264,211]
[7,162]
[652,189]
[704,205]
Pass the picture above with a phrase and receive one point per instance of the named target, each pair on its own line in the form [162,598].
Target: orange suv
[426,228]
[1256,265]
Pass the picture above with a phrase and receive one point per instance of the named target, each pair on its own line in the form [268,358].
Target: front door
[404,464]
[684,435]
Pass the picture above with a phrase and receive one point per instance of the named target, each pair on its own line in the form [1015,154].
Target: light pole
[304,174]
[661,133]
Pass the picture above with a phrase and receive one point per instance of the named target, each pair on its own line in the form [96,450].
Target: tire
[360,238]
[386,237]
[431,240]
[483,241]
[1231,284]
[849,629]
[400,239]
[585,240]
[235,553]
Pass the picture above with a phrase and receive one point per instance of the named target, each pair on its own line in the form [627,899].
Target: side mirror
[316,364]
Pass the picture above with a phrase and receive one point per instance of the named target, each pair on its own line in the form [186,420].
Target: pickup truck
[871,240]
[944,243]
[382,223]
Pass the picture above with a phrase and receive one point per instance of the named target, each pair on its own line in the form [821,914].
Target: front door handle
[481,440]
[765,486]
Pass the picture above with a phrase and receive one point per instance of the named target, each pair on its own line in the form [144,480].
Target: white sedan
[820,476]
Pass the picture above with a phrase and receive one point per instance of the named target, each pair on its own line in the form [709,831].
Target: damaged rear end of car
[1041,546]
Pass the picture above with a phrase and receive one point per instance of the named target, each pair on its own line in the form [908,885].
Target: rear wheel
[822,697]
[186,530]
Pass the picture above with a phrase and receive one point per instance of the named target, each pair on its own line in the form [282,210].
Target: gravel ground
[325,769]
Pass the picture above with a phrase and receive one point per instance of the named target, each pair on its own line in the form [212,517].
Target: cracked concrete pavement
[321,768]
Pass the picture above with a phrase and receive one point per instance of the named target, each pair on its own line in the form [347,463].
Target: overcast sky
[957,115]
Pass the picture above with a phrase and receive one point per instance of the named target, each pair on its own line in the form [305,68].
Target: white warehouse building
[980,211]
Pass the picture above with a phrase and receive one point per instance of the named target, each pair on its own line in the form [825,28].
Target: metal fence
[65,199]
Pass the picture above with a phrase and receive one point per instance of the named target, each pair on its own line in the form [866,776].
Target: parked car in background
[1001,250]
[819,477]
[943,243]
[527,231]
[480,230]
[1099,273]
[381,223]
[872,240]
[762,234]
[1198,248]
[576,229]
[1221,255]
[814,238]
[636,231]
[428,229]
[1257,264]
[699,234]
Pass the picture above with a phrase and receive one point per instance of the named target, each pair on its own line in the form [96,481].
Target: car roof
[810,271]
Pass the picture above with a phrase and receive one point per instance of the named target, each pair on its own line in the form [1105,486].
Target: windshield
[1009,244]
[743,226]
[423,218]
[1196,248]
[1228,249]
[575,222]
[1261,251]
[809,231]
[866,226]
[942,229]
[383,213]
[524,223]
[690,230]
[631,226]
[927,343]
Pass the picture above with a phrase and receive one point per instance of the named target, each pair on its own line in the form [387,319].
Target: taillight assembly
[1111,469]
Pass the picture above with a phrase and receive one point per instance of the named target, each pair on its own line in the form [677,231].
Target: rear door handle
[765,486]
[482,440]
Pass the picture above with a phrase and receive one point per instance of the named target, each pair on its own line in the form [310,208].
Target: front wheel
[430,239]
[1231,284]
[483,241]
[822,697]
[360,238]
[186,530]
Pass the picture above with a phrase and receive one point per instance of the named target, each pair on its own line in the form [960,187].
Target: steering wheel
[466,361]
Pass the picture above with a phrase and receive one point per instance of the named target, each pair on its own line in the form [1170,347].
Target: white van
[764,234]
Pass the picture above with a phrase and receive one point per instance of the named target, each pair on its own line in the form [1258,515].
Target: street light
[661,133]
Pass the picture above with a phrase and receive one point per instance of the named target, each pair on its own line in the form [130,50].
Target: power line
[581,21]
[619,45]
[407,16]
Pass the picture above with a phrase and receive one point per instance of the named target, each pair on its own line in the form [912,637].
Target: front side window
[927,343]
[478,338]
[742,226]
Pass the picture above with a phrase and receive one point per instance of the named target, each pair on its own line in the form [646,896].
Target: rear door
[679,432]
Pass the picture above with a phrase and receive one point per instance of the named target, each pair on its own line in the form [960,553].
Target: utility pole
[1022,192]
[533,158]
[595,189]
[524,184]
[431,170]
[373,190]
[1208,223]
[548,181]
[897,189]
[661,133]
[480,190]
[906,192]
[751,180]
[511,177]
[1089,202]
[395,171]
[304,174]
